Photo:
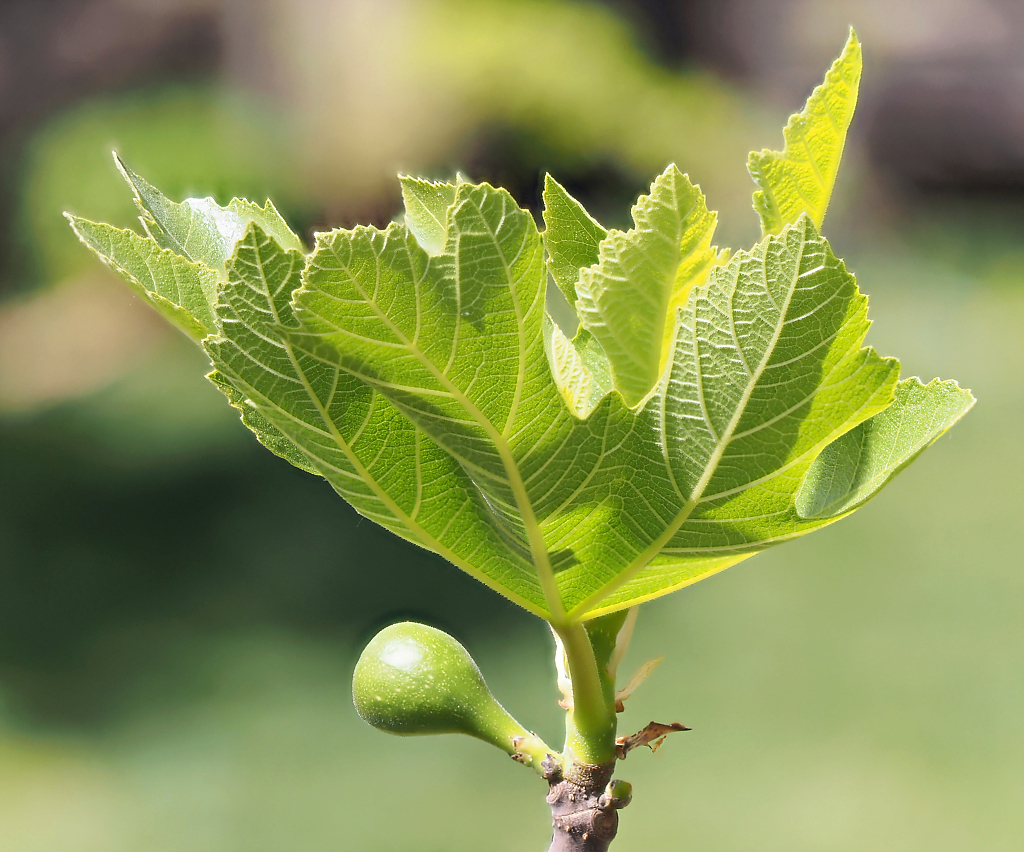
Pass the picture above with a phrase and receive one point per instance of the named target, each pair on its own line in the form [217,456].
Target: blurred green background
[180,610]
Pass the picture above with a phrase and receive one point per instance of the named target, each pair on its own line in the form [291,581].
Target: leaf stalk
[590,721]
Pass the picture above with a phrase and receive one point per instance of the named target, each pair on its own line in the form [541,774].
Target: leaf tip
[145,193]
[129,176]
[852,57]
[76,223]
[551,186]
[853,42]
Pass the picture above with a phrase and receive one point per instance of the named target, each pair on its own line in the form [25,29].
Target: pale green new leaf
[628,300]
[182,291]
[799,179]
[579,368]
[177,265]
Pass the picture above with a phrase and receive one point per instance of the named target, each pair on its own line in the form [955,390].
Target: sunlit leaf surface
[705,408]
[800,178]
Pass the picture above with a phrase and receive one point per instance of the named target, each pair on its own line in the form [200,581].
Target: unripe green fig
[413,679]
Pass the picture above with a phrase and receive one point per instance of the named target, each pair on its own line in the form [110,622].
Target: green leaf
[199,229]
[579,368]
[182,291]
[800,178]
[766,371]
[426,211]
[453,341]
[628,300]
[266,432]
[418,370]
[572,237]
[347,432]
[852,469]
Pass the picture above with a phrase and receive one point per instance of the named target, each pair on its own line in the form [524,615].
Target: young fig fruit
[414,679]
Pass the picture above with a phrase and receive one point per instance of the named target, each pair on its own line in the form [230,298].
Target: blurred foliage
[575,77]
[562,84]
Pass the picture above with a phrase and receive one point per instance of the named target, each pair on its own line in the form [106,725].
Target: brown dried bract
[652,736]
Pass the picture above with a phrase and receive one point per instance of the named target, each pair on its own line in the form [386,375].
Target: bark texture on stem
[583,817]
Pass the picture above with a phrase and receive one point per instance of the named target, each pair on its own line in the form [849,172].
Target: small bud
[621,793]
[616,795]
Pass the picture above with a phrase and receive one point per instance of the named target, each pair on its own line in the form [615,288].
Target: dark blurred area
[174,599]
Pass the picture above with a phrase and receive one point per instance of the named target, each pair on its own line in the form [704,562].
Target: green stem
[590,724]
[530,750]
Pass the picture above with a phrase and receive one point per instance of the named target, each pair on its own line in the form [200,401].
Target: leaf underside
[707,407]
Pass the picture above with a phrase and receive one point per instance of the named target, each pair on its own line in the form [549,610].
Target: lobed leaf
[766,371]
[579,368]
[417,369]
[453,341]
[572,237]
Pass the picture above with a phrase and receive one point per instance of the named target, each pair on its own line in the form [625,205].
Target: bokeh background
[180,610]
